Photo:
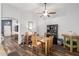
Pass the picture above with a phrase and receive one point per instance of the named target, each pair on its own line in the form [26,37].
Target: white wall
[67,21]
[22,17]
[10,11]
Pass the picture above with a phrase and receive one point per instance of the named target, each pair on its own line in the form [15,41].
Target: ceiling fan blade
[52,13]
[48,15]
[39,13]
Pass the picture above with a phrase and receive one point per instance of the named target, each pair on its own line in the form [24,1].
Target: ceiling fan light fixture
[46,11]
[45,14]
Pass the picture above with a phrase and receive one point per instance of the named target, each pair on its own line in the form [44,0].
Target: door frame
[3,24]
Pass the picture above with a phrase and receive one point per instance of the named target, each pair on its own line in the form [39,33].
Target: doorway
[6,27]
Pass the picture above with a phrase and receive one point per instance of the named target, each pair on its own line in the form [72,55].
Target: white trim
[19,34]
[0,23]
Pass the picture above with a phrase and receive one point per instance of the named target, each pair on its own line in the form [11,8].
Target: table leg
[78,45]
[71,44]
[64,42]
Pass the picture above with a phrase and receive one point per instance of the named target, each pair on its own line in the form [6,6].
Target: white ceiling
[36,7]
[33,8]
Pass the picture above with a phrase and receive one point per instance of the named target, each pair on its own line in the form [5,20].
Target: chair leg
[49,51]
[36,49]
[33,49]
[40,49]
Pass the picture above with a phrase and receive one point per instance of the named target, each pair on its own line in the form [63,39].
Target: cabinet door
[53,29]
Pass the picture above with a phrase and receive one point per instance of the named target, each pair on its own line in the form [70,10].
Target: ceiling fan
[46,13]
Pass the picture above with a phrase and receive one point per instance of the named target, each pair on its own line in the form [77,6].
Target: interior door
[6,27]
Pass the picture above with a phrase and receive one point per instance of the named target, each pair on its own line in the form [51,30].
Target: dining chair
[48,45]
[26,38]
[36,45]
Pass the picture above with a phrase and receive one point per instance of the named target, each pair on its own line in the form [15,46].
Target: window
[30,25]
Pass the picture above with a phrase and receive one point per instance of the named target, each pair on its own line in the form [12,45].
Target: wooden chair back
[50,42]
[34,40]
[26,38]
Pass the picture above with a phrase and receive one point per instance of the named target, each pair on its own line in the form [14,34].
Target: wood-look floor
[13,49]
